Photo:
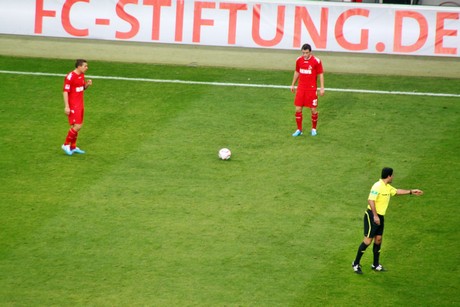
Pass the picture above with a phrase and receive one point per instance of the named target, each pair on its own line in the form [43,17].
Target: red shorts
[76,116]
[306,98]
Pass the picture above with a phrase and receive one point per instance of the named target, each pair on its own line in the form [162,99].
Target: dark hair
[387,172]
[79,62]
[306,47]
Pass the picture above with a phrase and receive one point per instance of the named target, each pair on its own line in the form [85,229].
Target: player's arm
[409,192]
[321,84]
[88,83]
[66,102]
[374,211]
[294,80]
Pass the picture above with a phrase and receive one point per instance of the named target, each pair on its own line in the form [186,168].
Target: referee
[378,200]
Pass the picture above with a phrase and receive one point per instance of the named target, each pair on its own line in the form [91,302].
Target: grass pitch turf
[150,216]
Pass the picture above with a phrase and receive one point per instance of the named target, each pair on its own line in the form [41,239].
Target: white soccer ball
[225,154]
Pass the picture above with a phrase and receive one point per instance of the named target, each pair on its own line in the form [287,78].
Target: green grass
[151,217]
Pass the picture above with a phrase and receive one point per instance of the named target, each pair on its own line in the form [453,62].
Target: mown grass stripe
[233,84]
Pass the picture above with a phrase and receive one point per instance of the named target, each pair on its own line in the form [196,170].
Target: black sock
[376,250]
[360,253]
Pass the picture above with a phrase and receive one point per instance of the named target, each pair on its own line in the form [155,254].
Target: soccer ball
[225,154]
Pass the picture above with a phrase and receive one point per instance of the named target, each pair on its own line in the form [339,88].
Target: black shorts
[371,229]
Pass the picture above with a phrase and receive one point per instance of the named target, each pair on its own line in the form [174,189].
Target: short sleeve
[67,83]
[320,67]
[374,192]
[393,190]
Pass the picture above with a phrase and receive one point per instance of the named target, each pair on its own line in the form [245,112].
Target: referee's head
[387,172]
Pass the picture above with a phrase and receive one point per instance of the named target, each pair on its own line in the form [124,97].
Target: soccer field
[149,216]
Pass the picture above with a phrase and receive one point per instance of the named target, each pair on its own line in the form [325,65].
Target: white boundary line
[231,84]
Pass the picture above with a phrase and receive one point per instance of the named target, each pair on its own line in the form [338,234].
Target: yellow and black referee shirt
[380,194]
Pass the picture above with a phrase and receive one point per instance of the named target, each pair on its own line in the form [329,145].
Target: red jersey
[308,72]
[74,84]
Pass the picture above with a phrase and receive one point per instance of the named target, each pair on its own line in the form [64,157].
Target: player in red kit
[74,86]
[307,70]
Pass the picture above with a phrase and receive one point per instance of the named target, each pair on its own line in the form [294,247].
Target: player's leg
[77,127]
[376,250]
[298,119]
[314,120]
[313,104]
[369,230]
[299,103]
[362,248]
[71,134]
[314,114]
[73,144]
[377,246]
